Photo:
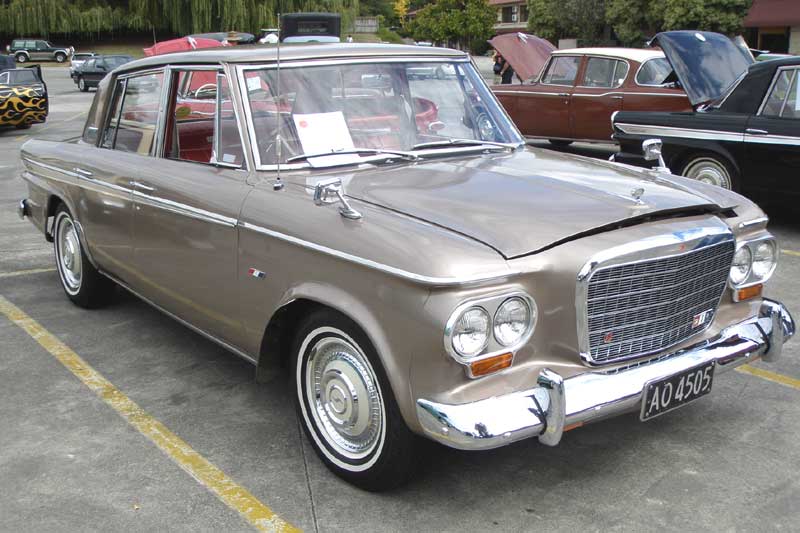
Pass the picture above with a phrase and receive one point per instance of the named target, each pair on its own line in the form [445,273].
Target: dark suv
[38,50]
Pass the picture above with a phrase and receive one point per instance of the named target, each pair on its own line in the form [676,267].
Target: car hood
[531,200]
[526,53]
[706,63]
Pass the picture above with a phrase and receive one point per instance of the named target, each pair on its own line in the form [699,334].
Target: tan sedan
[389,238]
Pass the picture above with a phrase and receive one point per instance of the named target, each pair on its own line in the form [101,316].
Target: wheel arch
[679,155]
[53,201]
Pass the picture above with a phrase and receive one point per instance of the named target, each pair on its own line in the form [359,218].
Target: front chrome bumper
[22,209]
[556,403]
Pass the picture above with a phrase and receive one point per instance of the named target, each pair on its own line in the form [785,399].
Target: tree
[723,16]
[464,23]
[400,9]
[633,21]
[557,19]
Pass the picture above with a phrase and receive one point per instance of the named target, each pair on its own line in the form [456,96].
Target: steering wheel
[206,90]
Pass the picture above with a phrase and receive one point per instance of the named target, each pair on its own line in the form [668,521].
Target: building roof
[635,54]
[504,2]
[773,13]
[292,52]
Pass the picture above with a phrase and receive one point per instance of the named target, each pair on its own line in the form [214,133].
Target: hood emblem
[637,194]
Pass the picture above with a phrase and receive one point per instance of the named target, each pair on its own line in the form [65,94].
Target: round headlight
[765,257]
[742,262]
[512,321]
[471,331]
[486,128]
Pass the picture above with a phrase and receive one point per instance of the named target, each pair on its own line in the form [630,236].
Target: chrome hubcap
[343,394]
[69,255]
[709,171]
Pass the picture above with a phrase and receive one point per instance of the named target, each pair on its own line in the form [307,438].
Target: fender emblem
[256,273]
[637,194]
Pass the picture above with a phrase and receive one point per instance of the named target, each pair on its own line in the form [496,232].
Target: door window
[201,124]
[41,45]
[604,72]
[30,45]
[4,78]
[562,70]
[89,65]
[654,72]
[774,104]
[791,108]
[133,127]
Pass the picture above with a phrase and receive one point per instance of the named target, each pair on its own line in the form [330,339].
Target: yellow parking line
[770,376]
[25,272]
[233,495]
[791,252]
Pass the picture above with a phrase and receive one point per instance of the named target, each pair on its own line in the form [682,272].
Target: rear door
[772,136]
[596,97]
[542,109]
[187,206]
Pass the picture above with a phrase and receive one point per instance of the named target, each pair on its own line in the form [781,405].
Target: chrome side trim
[594,394]
[183,209]
[658,247]
[784,140]
[231,348]
[669,131]
[419,278]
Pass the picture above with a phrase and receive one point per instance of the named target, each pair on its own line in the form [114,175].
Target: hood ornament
[637,194]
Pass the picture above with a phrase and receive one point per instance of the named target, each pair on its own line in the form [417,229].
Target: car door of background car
[542,109]
[96,71]
[596,97]
[187,201]
[42,51]
[645,89]
[772,136]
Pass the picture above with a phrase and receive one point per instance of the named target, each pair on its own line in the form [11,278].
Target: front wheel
[84,285]
[82,85]
[346,404]
[713,169]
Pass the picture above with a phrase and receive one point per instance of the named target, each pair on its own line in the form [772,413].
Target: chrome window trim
[772,84]
[611,58]
[639,251]
[642,64]
[398,272]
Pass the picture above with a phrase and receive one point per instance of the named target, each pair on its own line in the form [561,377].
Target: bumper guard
[556,403]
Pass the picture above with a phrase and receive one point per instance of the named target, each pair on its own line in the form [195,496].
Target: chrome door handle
[616,97]
[142,186]
[754,131]
[563,94]
[82,172]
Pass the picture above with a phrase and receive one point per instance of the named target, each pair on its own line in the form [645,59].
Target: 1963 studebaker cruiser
[394,243]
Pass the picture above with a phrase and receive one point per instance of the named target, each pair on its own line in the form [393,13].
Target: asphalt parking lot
[209,449]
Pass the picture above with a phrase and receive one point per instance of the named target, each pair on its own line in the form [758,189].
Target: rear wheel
[84,285]
[21,58]
[61,57]
[346,404]
[711,168]
[559,143]
[82,85]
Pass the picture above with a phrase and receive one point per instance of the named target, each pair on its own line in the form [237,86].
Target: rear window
[81,56]
[22,76]
[654,72]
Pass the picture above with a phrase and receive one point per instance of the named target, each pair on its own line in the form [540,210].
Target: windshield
[371,107]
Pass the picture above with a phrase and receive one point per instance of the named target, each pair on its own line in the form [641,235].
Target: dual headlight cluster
[754,262]
[489,326]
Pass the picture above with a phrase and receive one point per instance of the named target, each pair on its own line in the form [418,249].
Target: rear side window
[562,70]
[774,104]
[604,72]
[134,114]
[18,44]
[654,72]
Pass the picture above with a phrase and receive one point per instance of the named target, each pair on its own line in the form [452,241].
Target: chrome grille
[643,307]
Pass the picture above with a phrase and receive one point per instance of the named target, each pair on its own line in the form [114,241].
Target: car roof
[291,52]
[775,63]
[636,54]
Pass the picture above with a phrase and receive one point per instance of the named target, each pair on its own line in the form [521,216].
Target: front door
[596,97]
[187,206]
[772,137]
[542,109]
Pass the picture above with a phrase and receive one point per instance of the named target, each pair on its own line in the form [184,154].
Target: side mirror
[651,148]
[331,190]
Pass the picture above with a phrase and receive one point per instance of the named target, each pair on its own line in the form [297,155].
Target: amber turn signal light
[748,292]
[491,364]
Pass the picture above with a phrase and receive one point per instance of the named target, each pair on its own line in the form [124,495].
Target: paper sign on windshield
[322,133]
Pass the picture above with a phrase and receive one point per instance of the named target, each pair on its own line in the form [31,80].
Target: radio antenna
[278,185]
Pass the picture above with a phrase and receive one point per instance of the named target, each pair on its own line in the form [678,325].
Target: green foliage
[460,22]
[389,36]
[557,19]
[723,16]
[634,21]
[40,18]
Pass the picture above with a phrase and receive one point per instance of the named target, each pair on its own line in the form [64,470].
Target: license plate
[666,394]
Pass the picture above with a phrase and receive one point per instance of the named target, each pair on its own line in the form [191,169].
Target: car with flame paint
[23,97]
[417,278]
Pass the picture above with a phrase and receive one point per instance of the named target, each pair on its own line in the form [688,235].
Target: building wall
[794,40]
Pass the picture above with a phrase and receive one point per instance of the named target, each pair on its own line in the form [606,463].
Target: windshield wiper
[355,151]
[464,142]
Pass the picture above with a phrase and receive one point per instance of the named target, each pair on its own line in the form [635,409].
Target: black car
[23,96]
[95,69]
[745,132]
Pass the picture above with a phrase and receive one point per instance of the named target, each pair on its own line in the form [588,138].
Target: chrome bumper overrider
[22,209]
[544,411]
